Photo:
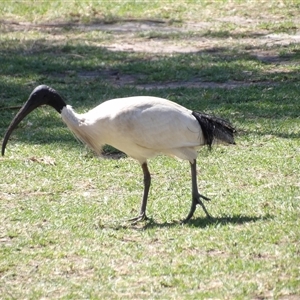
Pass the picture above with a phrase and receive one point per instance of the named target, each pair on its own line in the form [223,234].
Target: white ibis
[141,127]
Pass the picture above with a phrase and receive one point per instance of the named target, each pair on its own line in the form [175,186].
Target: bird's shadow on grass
[206,222]
[197,222]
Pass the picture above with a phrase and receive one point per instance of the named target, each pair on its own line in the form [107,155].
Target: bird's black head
[40,95]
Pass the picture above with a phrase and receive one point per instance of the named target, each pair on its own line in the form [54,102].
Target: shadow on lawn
[205,222]
[196,222]
[85,75]
[221,221]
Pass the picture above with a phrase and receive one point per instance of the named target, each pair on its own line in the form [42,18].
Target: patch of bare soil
[158,37]
[120,80]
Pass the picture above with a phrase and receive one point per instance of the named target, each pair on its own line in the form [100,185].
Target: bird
[140,126]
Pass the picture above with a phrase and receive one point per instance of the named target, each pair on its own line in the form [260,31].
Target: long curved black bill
[40,95]
[27,108]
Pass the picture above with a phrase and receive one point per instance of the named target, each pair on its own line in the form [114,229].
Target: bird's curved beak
[39,96]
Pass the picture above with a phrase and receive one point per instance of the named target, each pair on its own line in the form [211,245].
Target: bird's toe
[139,218]
[204,197]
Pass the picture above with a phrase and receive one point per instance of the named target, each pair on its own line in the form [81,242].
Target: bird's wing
[152,123]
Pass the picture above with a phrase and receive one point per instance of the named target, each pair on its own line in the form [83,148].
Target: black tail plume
[215,128]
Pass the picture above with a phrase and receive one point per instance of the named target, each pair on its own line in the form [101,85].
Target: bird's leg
[195,194]
[147,181]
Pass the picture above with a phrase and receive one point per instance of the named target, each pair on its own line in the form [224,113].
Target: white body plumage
[141,127]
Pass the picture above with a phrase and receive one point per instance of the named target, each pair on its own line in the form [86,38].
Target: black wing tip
[215,128]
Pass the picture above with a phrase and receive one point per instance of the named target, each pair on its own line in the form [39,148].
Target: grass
[63,233]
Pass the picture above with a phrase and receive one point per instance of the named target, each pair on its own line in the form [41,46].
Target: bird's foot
[141,217]
[197,200]
[204,197]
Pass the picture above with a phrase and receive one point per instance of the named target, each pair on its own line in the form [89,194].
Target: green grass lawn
[63,229]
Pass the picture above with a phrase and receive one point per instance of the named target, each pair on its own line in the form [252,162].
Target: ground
[159,37]
[64,231]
